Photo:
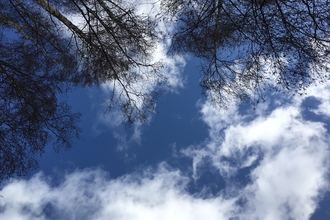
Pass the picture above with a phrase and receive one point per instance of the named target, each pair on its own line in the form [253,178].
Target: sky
[188,161]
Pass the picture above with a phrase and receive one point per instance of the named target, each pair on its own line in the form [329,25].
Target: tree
[112,44]
[249,46]
[46,48]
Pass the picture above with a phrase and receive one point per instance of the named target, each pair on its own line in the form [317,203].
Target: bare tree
[35,66]
[247,45]
[46,47]
[112,44]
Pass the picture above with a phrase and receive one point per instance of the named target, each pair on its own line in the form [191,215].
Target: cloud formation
[285,155]
[90,194]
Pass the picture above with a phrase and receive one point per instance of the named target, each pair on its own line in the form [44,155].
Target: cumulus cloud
[321,93]
[91,194]
[285,154]
[287,185]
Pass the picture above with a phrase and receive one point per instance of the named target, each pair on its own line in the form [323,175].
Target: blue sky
[188,161]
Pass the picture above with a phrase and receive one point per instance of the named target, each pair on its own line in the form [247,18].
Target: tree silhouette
[248,46]
[111,44]
[46,47]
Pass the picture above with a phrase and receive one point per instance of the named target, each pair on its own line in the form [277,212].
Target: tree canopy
[46,47]
[247,45]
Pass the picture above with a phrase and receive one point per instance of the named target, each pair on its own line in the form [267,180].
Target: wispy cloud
[170,78]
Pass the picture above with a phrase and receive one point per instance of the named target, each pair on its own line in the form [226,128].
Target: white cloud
[90,194]
[321,93]
[287,156]
[288,184]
